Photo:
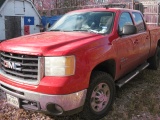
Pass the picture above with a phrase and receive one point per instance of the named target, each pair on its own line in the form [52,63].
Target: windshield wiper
[81,30]
[61,30]
[55,30]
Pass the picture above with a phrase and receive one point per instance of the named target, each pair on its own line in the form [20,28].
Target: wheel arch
[108,66]
[158,43]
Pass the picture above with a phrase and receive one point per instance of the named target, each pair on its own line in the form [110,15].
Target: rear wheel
[100,96]
[155,60]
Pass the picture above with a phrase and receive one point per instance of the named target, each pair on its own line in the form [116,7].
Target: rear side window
[139,22]
[125,19]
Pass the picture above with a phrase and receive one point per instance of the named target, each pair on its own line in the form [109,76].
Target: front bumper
[52,104]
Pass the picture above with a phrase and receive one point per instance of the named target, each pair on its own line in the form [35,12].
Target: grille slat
[32,65]
[18,58]
[26,70]
[19,74]
[23,67]
[3,59]
[23,64]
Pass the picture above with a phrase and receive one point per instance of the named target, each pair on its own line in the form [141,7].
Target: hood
[42,43]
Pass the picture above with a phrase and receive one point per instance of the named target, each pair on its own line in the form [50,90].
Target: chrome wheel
[100,97]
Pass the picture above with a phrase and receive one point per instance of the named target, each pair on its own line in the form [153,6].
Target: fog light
[54,109]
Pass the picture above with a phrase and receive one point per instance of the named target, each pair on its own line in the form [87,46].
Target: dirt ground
[137,100]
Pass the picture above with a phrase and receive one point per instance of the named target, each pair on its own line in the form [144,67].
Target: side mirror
[128,30]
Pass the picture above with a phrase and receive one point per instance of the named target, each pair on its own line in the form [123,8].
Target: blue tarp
[51,20]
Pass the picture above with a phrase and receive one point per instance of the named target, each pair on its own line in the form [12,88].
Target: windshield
[96,22]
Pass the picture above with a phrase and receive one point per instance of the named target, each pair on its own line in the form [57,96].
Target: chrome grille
[19,66]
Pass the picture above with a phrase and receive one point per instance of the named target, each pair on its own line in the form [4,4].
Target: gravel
[139,99]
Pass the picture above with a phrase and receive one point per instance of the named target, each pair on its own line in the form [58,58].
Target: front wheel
[100,96]
[155,60]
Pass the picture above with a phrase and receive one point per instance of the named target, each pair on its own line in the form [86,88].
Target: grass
[137,100]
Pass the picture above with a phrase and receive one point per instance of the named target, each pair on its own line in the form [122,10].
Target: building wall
[22,9]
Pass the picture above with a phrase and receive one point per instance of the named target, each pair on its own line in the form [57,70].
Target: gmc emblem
[12,65]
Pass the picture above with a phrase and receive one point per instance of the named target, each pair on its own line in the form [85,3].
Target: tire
[155,60]
[98,104]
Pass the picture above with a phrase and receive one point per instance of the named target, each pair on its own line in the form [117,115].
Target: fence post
[132,4]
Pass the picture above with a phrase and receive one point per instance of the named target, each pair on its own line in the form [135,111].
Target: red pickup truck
[76,65]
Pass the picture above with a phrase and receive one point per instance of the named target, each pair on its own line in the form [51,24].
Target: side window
[139,22]
[125,19]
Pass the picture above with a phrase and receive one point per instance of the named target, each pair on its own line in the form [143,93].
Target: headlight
[60,66]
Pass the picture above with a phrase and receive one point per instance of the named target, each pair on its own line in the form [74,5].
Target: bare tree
[54,7]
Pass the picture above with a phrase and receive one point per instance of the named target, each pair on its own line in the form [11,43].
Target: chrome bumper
[67,102]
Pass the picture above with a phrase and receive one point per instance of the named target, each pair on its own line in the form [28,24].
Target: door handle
[147,37]
[135,42]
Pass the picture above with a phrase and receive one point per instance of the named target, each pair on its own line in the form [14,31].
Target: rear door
[143,37]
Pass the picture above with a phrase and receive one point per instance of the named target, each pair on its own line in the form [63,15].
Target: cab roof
[104,9]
